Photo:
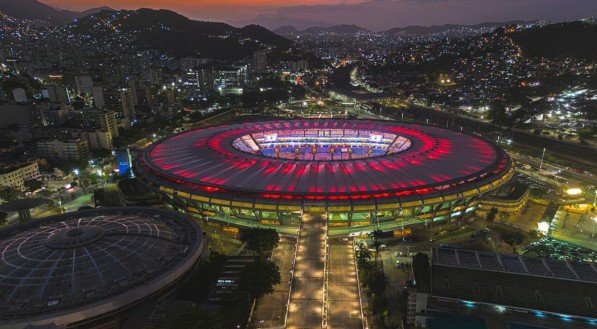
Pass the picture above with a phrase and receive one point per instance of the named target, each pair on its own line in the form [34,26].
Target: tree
[490,218]
[363,254]
[421,270]
[512,239]
[33,184]
[586,133]
[261,240]
[9,194]
[376,235]
[377,282]
[259,278]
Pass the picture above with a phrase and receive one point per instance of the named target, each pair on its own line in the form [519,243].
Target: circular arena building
[88,267]
[362,174]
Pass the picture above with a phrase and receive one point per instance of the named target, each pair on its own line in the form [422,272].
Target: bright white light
[543,227]
[574,191]
[76,171]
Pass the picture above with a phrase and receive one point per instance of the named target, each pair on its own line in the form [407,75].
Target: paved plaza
[270,311]
[344,307]
[306,298]
[305,285]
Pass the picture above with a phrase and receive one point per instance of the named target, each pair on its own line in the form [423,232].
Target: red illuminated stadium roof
[204,161]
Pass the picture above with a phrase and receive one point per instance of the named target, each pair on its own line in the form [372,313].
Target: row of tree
[375,280]
[256,280]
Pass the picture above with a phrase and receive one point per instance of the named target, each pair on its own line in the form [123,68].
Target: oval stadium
[362,174]
[86,268]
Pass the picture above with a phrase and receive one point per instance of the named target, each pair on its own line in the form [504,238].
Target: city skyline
[375,15]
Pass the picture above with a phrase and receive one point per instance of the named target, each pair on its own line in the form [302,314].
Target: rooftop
[79,266]
[240,158]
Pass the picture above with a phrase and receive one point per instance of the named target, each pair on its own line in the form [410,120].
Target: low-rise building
[15,175]
[510,198]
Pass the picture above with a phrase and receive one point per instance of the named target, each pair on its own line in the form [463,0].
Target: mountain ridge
[175,34]
[35,10]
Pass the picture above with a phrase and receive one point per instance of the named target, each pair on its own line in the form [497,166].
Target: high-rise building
[98,96]
[101,119]
[230,79]
[58,94]
[120,101]
[54,114]
[198,82]
[136,87]
[84,85]
[74,149]
[98,139]
[260,60]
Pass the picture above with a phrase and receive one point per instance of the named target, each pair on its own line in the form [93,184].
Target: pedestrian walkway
[270,311]
[306,298]
[344,306]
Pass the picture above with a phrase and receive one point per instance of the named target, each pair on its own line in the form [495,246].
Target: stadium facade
[362,174]
[87,268]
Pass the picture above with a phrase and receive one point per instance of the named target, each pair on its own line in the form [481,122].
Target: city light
[543,227]
[574,191]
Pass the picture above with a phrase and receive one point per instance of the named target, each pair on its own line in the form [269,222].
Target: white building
[74,149]
[15,175]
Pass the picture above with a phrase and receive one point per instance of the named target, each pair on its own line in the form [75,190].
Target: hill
[434,29]
[571,39]
[174,34]
[337,29]
[35,10]
[92,11]
[286,29]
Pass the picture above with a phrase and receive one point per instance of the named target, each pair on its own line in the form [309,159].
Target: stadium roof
[438,161]
[546,267]
[80,266]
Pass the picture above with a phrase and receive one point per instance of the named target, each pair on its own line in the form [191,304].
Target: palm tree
[490,216]
[376,235]
[363,254]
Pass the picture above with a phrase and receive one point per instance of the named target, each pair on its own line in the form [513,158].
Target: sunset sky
[371,14]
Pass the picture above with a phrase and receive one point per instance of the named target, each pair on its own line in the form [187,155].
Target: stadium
[362,174]
[88,268]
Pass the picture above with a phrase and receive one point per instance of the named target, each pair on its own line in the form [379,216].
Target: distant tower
[260,61]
